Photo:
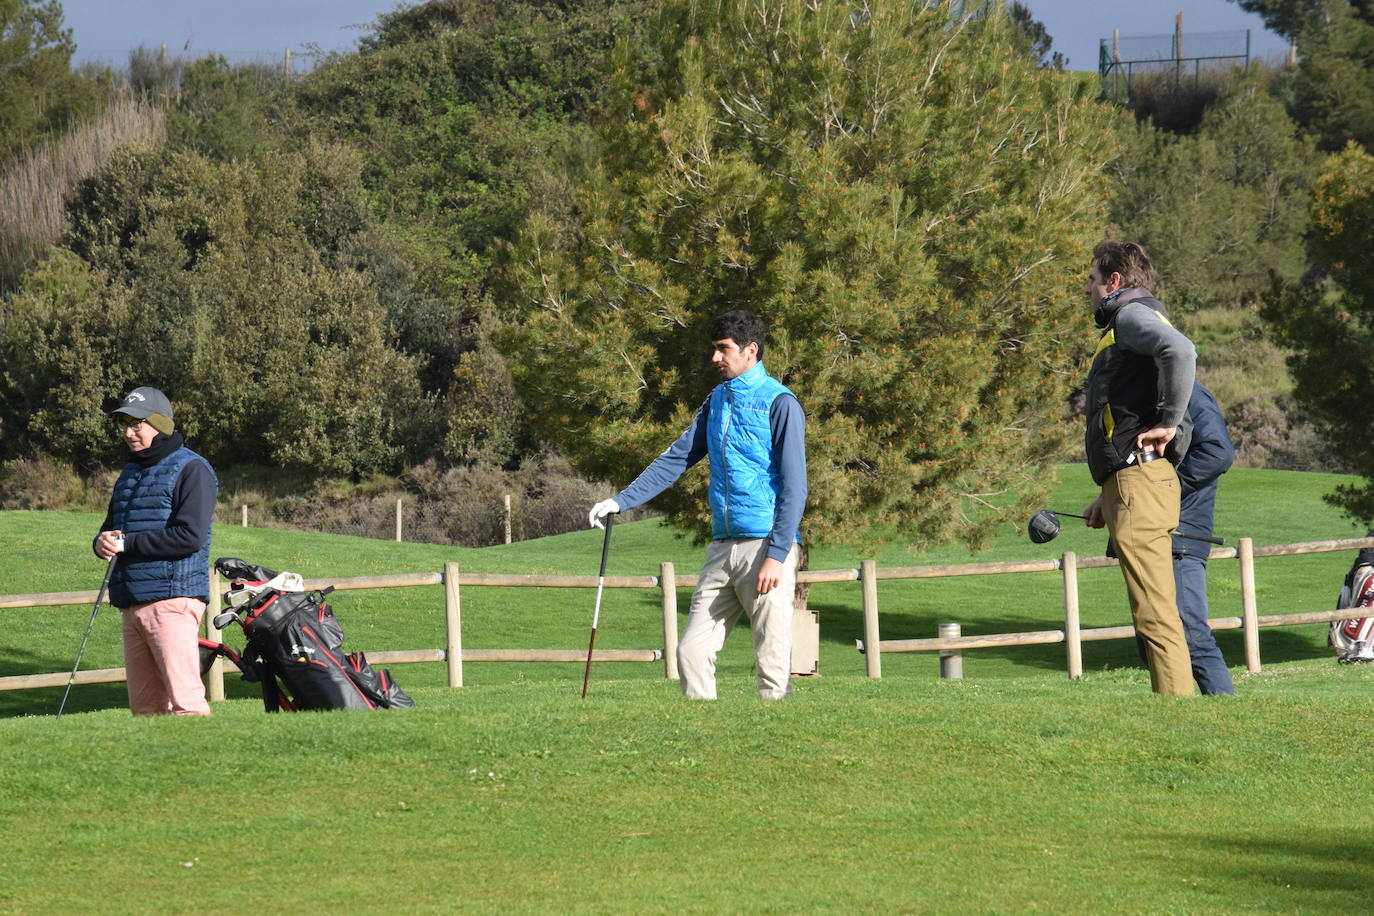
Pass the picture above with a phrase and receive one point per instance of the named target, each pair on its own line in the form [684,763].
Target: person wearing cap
[158,527]
[1138,429]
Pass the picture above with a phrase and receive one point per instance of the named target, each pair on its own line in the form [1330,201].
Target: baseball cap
[147,404]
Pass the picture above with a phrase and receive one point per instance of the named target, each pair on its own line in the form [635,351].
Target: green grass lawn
[48,551]
[1012,790]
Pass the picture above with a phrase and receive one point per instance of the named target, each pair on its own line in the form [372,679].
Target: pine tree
[900,192]
[1329,326]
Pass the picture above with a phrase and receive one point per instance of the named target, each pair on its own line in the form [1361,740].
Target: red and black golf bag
[1353,640]
[294,646]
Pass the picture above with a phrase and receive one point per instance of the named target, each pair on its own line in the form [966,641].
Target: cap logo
[134,396]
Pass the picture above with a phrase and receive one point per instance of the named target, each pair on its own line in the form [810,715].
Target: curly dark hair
[1127,259]
[741,326]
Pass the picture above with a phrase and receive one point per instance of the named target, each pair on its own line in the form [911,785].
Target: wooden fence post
[1073,641]
[667,580]
[215,677]
[453,626]
[507,518]
[951,660]
[1249,613]
[245,514]
[398,520]
[868,574]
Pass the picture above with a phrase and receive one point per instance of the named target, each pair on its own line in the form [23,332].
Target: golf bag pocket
[375,685]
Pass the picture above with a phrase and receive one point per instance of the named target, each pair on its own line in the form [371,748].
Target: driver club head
[1043,527]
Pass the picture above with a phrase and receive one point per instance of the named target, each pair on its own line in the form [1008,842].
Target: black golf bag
[1353,640]
[294,646]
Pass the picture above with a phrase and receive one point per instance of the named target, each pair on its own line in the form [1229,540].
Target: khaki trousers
[1140,504]
[725,589]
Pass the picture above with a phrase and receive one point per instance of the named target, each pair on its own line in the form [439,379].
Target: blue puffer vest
[744,479]
[142,501]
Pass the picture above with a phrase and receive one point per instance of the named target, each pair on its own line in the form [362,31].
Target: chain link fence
[1180,57]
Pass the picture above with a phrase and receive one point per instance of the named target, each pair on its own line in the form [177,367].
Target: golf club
[596,615]
[100,597]
[1044,527]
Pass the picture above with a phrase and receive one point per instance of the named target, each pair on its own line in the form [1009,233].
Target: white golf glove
[601,510]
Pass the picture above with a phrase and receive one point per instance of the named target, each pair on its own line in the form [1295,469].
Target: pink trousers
[162,658]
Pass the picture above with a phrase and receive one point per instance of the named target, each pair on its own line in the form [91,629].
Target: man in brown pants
[1137,405]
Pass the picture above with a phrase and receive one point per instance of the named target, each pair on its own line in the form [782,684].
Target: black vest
[1123,401]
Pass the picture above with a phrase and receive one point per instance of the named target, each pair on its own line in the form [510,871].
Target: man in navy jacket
[158,526]
[1209,456]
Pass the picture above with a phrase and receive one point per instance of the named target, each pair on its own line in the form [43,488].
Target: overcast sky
[106,30]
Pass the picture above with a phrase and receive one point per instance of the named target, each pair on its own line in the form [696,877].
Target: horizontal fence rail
[949,644]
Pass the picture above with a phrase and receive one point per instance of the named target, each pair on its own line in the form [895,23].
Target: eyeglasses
[123,423]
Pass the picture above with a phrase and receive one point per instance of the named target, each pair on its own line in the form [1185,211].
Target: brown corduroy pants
[1140,504]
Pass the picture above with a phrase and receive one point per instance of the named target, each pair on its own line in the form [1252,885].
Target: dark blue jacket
[1210,455]
[165,512]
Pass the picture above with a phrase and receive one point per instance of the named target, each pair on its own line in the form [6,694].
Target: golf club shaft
[1220,542]
[596,614]
[100,597]
[1201,537]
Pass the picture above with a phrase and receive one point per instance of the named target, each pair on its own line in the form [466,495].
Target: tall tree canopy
[1328,325]
[39,94]
[902,194]
[1334,89]
[245,290]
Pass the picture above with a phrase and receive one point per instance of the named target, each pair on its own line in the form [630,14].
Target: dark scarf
[162,446]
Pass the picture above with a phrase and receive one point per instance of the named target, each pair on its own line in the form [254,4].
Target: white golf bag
[1353,640]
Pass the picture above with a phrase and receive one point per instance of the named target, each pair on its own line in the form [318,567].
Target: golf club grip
[606,543]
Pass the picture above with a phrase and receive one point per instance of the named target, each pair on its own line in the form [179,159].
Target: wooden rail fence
[949,644]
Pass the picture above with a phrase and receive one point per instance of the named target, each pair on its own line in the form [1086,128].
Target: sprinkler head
[1043,527]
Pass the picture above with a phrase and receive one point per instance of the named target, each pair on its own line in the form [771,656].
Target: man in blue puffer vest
[158,525]
[753,431]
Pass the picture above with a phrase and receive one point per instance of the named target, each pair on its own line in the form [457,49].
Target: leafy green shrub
[899,191]
[40,94]
[34,187]
[1329,326]
[1220,209]
[41,482]
[236,288]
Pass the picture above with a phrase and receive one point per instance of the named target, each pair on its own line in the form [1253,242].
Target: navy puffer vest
[142,501]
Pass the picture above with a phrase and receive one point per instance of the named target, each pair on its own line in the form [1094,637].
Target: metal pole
[951,660]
